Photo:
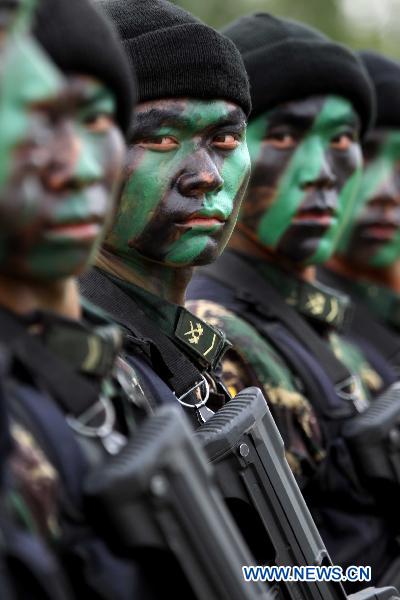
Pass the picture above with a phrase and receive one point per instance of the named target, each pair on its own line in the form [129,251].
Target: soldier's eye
[99,123]
[163,143]
[226,141]
[281,141]
[343,141]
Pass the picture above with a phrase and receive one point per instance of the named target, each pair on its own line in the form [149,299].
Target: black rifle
[157,498]
[392,575]
[374,439]
[387,593]
[247,451]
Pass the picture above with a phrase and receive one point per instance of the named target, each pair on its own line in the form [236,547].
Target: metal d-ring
[203,401]
[78,424]
[350,396]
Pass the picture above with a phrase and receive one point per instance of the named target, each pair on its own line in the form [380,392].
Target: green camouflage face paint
[60,154]
[15,16]
[187,168]
[372,236]
[15,22]
[306,168]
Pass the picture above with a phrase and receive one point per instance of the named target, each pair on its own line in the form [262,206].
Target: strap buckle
[203,401]
[112,440]
[356,396]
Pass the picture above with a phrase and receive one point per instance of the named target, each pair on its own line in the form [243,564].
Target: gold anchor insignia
[316,304]
[195,332]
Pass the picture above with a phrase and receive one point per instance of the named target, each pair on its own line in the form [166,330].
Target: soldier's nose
[198,184]
[200,177]
[325,179]
[63,152]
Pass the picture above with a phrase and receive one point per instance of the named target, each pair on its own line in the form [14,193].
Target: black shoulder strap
[364,323]
[167,359]
[73,392]
[237,273]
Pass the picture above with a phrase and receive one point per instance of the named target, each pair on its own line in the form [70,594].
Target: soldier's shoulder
[233,325]
[209,310]
[249,348]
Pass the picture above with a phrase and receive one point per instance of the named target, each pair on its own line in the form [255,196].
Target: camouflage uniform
[36,486]
[253,360]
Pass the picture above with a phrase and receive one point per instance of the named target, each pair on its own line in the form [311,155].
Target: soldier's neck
[161,280]
[388,277]
[22,297]
[244,241]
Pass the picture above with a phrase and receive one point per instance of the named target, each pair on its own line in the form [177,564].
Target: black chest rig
[332,389]
[60,383]
[187,361]
[76,366]
[372,435]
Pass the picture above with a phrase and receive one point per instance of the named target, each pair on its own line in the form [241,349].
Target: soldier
[185,175]
[311,99]
[61,152]
[366,265]
[13,15]
[73,401]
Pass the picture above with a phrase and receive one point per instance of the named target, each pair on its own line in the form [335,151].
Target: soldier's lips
[203,222]
[313,218]
[80,232]
[379,231]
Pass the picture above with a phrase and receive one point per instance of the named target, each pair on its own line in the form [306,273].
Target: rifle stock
[246,448]
[158,494]
[386,593]
[374,440]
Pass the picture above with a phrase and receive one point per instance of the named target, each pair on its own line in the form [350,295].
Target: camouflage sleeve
[35,486]
[252,361]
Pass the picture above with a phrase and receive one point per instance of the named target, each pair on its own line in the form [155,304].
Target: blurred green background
[358,23]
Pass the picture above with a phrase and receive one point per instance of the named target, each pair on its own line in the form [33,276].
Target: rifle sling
[167,359]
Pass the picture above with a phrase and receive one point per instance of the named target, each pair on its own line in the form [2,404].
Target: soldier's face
[10,11]
[306,163]
[60,154]
[186,172]
[372,237]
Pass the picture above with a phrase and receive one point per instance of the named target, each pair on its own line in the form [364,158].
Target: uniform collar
[314,301]
[203,342]
[90,345]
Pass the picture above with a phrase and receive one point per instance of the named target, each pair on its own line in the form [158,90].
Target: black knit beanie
[80,40]
[385,76]
[176,55]
[286,60]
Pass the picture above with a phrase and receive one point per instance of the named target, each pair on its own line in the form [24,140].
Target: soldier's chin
[211,253]
[300,254]
[361,252]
